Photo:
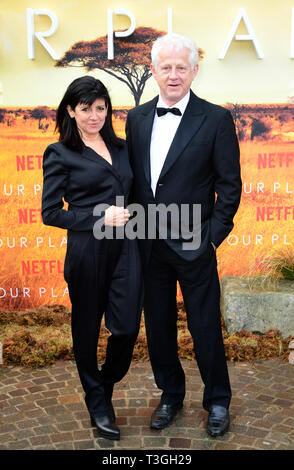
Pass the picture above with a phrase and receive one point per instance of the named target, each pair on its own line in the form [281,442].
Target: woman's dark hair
[84,90]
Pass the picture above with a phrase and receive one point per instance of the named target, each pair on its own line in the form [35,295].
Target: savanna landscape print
[31,271]
[32,255]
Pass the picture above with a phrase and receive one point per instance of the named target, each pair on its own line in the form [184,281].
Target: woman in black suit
[89,166]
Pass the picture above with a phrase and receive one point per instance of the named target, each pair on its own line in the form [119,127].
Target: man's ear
[70,111]
[195,71]
[152,68]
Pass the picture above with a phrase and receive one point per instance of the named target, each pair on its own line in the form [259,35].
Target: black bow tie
[163,111]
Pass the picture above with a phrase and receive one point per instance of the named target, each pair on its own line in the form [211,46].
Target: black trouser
[104,276]
[201,293]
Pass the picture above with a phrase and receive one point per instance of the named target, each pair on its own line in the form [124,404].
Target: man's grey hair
[175,42]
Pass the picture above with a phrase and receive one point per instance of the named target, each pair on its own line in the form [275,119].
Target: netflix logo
[29,162]
[42,266]
[29,216]
[268,213]
[275,160]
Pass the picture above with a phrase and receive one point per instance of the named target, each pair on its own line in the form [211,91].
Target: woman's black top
[82,179]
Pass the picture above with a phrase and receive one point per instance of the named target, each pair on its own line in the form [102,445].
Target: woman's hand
[116,216]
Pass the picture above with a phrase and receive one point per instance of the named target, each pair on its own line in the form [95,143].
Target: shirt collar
[182,104]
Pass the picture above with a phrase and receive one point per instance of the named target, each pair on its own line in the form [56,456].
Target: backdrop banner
[246,64]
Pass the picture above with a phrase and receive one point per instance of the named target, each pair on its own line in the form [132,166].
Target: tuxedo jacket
[202,167]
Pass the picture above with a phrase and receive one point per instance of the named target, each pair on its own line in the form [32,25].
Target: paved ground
[44,409]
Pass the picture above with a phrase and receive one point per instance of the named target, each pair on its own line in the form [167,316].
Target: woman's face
[89,118]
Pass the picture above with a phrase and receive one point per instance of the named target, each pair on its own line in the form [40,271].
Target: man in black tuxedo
[185,152]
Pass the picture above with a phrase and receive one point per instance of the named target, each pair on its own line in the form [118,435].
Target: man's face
[173,74]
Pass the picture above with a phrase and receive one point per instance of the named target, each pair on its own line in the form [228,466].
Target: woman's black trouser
[103,276]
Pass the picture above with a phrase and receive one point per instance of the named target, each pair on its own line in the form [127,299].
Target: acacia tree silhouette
[131,63]
[42,112]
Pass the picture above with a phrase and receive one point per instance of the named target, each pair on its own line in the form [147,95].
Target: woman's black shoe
[106,427]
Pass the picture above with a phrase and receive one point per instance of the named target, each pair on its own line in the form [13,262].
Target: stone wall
[252,305]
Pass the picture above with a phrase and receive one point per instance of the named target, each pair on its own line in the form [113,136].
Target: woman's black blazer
[82,179]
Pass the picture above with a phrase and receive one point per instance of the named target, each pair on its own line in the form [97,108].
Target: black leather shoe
[163,415]
[106,427]
[218,421]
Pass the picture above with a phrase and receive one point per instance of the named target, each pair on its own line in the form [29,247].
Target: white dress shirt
[163,132]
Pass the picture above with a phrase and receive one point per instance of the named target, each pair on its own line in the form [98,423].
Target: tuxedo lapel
[191,121]
[146,124]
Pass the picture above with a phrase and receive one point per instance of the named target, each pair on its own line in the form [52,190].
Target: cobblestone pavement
[44,409]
